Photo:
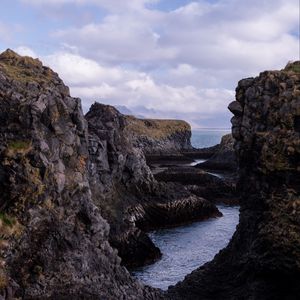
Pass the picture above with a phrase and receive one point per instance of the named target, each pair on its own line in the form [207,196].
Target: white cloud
[111,5]
[198,34]
[93,82]
[25,51]
[182,61]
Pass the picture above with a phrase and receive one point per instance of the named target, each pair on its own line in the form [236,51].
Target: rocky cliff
[262,260]
[124,189]
[60,174]
[160,137]
[54,241]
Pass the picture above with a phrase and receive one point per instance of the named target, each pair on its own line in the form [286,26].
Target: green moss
[19,145]
[155,128]
[293,67]
[7,220]
[23,68]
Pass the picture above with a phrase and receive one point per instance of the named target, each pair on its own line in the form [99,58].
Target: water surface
[187,247]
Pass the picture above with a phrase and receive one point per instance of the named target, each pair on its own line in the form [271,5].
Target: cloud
[25,51]
[111,5]
[184,62]
[94,82]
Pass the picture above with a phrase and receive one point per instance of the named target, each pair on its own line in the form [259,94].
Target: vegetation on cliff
[155,128]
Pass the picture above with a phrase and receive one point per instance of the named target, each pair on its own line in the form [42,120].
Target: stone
[262,259]
[236,108]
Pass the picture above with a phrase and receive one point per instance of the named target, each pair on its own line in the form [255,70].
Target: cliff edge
[159,137]
[54,241]
[262,261]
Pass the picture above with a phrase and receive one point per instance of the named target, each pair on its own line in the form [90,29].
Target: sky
[155,58]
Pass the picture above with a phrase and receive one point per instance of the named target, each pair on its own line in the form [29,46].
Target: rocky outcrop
[54,241]
[203,184]
[224,158]
[119,179]
[159,137]
[129,197]
[202,153]
[263,258]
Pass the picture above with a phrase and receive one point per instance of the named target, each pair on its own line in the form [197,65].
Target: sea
[202,138]
[186,248]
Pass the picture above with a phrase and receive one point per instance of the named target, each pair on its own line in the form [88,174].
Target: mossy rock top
[24,68]
[293,67]
[155,128]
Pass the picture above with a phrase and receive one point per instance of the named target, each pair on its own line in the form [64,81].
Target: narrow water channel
[186,248]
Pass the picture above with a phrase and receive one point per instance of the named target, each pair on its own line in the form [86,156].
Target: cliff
[125,190]
[263,258]
[54,241]
[60,174]
[160,137]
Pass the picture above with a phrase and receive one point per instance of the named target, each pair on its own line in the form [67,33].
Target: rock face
[203,184]
[224,159]
[262,260]
[119,179]
[160,137]
[128,196]
[54,242]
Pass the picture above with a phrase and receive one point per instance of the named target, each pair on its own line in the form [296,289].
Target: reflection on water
[186,248]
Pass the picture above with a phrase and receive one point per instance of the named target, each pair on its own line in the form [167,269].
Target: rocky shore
[61,173]
[262,259]
[77,196]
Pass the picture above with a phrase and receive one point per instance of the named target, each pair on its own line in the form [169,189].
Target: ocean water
[207,138]
[188,247]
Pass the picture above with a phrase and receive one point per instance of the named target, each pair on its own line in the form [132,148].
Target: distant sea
[202,138]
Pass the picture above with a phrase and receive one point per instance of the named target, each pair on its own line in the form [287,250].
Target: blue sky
[160,58]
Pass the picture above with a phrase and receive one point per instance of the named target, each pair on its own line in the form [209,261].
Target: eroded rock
[263,258]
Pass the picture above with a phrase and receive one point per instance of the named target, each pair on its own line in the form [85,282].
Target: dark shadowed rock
[263,258]
[54,242]
[203,184]
[129,197]
[119,177]
[224,158]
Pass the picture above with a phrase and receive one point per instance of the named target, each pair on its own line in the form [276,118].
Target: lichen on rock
[62,251]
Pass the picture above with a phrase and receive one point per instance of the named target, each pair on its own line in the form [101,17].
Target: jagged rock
[54,242]
[262,260]
[203,184]
[129,197]
[236,108]
[119,177]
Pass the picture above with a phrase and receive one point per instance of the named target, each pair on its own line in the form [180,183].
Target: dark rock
[54,242]
[211,187]
[224,159]
[236,108]
[262,260]
[119,178]
[202,153]
[129,197]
